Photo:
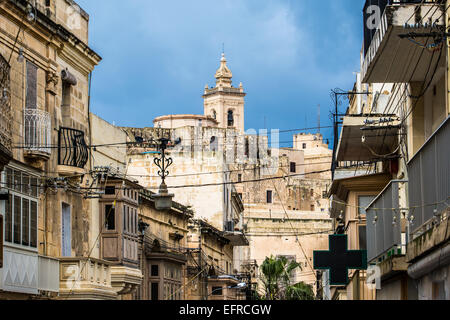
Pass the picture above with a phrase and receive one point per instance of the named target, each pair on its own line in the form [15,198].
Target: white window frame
[31,199]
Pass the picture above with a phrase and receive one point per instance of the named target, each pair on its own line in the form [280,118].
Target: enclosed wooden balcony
[390,55]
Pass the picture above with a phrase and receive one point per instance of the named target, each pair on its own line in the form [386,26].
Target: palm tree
[276,275]
[300,291]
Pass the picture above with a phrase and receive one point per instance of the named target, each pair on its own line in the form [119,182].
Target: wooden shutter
[269,196]
[66,243]
[31,98]
[293,167]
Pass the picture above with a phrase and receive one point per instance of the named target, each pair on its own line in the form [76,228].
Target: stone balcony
[393,266]
[125,280]
[430,251]
[236,238]
[85,279]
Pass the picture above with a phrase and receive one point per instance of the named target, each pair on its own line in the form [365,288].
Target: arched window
[214,114]
[230,118]
[247,147]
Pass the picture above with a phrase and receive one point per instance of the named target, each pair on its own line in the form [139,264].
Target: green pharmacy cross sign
[339,260]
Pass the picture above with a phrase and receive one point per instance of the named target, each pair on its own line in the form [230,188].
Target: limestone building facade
[48,224]
[164,256]
[283,190]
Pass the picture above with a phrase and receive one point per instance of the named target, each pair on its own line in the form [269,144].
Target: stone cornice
[49,32]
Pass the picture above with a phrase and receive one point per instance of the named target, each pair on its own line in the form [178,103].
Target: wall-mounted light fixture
[21,57]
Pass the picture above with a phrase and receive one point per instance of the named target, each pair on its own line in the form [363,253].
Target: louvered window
[230,118]
[31,97]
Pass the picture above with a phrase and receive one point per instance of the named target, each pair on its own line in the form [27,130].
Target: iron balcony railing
[5,106]
[72,148]
[384,224]
[429,183]
[37,131]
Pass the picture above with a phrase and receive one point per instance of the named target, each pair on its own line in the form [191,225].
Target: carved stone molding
[52,80]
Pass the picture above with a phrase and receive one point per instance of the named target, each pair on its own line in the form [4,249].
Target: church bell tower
[224,102]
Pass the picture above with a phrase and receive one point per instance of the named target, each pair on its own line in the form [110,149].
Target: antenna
[318,117]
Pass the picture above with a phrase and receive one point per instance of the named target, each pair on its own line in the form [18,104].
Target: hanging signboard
[373,10]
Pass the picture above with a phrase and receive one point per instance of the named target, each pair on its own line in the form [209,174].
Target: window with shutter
[31,97]
[110,217]
[21,209]
[230,118]
[8,220]
[269,196]
[25,222]
[362,238]
[293,167]
[66,231]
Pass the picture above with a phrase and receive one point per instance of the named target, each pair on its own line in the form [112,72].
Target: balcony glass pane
[9,220]
[25,222]
[34,187]
[26,184]
[110,217]
[17,180]
[17,219]
[33,224]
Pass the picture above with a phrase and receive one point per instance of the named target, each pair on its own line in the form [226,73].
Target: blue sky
[158,56]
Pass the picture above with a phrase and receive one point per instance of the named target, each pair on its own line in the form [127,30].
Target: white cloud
[166,51]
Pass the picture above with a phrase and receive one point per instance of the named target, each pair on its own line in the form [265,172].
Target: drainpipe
[89,118]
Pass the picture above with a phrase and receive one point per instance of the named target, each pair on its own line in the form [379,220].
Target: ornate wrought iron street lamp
[163,200]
